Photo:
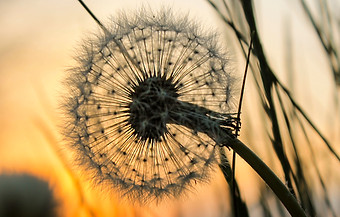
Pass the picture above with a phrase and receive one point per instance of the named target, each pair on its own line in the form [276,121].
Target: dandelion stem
[196,118]
[281,191]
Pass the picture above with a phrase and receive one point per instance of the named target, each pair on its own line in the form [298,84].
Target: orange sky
[37,42]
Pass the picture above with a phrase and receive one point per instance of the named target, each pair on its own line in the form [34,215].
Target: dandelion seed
[147,102]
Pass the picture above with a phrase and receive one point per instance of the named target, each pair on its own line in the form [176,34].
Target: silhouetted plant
[150,106]
[141,116]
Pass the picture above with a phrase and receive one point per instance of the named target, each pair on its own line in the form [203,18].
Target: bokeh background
[37,41]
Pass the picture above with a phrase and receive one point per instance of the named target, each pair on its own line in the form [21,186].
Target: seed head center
[152,101]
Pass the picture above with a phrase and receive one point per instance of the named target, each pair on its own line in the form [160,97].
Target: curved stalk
[280,190]
[219,128]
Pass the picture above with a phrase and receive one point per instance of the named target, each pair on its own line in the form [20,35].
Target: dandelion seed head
[141,101]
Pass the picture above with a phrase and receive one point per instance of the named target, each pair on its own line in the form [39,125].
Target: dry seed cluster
[144,100]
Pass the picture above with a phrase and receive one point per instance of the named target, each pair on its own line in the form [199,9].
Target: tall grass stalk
[285,115]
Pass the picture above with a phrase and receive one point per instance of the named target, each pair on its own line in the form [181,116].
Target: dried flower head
[147,101]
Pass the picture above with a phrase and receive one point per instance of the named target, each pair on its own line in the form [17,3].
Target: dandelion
[150,102]
[150,106]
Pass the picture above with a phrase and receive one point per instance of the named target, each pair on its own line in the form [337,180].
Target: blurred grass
[327,27]
[284,115]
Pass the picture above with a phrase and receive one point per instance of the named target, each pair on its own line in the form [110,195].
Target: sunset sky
[37,42]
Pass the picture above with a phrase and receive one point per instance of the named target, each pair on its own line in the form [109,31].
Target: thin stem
[299,109]
[202,120]
[238,125]
[280,190]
